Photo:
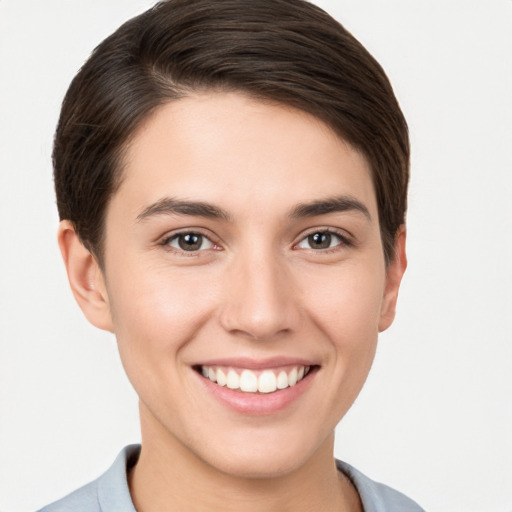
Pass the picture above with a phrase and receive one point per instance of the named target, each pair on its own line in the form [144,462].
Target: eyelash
[344,241]
[166,243]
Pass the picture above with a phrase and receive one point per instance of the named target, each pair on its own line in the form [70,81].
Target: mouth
[261,381]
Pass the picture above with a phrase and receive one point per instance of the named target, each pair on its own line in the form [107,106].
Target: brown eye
[322,240]
[190,242]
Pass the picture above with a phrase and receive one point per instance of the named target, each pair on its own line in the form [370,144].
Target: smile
[249,381]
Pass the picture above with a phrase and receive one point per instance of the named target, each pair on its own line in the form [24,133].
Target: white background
[435,419]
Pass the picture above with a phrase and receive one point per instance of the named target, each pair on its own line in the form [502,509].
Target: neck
[169,477]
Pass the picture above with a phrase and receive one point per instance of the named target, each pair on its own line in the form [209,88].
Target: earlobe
[394,274]
[85,277]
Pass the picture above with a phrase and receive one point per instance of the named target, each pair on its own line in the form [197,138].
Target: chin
[264,459]
[257,467]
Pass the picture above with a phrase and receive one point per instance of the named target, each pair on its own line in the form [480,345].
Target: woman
[231,180]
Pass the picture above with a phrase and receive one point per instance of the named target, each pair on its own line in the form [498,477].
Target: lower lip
[258,403]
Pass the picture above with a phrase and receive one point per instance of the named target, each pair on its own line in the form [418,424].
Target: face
[245,281]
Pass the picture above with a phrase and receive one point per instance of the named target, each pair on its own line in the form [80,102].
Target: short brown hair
[287,51]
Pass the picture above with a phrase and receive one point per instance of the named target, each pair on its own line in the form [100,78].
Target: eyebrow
[171,206]
[330,205]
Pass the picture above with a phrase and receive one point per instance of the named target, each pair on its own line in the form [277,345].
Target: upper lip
[257,364]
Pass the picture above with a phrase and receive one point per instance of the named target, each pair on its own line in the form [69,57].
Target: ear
[394,274]
[85,277]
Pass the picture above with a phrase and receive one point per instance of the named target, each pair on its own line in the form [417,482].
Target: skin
[257,288]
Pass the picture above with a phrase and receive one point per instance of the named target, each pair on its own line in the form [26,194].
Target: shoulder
[377,497]
[84,499]
[109,493]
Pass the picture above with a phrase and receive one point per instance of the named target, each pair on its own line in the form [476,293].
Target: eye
[189,242]
[321,240]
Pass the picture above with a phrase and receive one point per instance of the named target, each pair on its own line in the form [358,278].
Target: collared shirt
[110,493]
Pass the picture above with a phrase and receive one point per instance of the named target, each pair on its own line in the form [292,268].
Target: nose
[261,300]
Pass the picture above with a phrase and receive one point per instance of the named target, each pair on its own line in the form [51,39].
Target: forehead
[230,149]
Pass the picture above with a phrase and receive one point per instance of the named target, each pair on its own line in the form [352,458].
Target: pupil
[320,240]
[190,242]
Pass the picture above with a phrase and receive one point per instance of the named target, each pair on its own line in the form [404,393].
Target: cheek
[344,305]
[156,310]
[346,301]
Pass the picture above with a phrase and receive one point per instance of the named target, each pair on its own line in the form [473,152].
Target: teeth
[249,382]
[232,381]
[221,378]
[292,377]
[282,380]
[267,383]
